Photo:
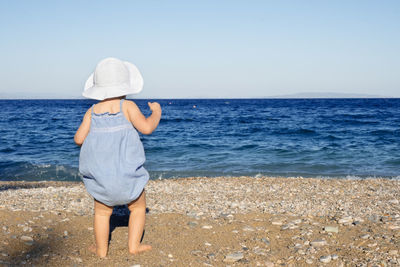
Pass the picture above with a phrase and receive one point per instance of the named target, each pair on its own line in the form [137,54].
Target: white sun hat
[112,78]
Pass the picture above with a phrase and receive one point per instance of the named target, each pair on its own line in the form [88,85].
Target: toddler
[112,156]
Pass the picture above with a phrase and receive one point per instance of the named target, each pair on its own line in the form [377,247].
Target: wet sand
[240,221]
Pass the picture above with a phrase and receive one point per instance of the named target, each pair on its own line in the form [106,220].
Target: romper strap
[120,104]
[92,109]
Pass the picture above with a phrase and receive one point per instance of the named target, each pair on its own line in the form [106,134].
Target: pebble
[269,264]
[248,229]
[373,218]
[266,241]
[77,259]
[192,214]
[301,252]
[196,252]
[233,257]
[309,261]
[318,243]
[206,227]
[170,256]
[211,256]
[345,220]
[394,227]
[393,252]
[65,233]
[325,259]
[277,223]
[311,250]
[331,229]
[334,257]
[359,219]
[285,226]
[192,223]
[27,229]
[297,221]
[260,251]
[207,244]
[365,236]
[90,228]
[26,238]
[136,265]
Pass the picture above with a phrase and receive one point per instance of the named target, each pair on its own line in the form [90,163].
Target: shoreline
[266,221]
[203,190]
[254,176]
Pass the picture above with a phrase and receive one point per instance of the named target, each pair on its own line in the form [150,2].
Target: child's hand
[154,107]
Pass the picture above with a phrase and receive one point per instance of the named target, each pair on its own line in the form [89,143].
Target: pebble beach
[222,221]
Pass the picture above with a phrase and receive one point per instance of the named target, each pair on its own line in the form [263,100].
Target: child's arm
[83,130]
[139,121]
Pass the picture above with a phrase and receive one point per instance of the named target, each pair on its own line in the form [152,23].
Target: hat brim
[104,92]
[135,86]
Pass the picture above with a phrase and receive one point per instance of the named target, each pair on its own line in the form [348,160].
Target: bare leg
[137,220]
[102,215]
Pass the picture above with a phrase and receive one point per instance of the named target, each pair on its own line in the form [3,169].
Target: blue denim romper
[111,159]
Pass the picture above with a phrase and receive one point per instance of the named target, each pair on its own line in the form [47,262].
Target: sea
[325,138]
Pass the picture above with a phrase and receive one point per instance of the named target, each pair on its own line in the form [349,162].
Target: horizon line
[214,98]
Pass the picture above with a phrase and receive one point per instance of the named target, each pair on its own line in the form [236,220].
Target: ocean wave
[37,172]
[381,132]
[7,150]
[331,137]
[167,120]
[301,131]
[394,161]
[246,146]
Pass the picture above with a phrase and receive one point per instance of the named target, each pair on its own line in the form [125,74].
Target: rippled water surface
[285,137]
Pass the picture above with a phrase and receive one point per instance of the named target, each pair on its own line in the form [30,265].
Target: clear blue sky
[203,48]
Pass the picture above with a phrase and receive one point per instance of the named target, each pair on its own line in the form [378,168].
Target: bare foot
[92,248]
[141,248]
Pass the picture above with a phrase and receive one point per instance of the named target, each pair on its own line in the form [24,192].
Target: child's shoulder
[88,115]
[130,104]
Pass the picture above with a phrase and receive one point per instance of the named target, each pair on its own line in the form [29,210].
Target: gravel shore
[237,221]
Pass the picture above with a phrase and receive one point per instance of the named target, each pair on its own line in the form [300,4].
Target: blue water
[229,137]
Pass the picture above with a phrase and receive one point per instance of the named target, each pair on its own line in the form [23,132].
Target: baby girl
[112,156]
